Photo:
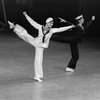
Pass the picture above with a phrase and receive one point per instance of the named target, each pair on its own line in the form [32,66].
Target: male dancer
[40,42]
[75,39]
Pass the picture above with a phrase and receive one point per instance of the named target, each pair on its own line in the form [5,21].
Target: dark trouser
[75,55]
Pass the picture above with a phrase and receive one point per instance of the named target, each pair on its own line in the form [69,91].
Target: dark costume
[76,36]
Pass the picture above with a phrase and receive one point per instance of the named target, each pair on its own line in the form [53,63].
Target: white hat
[49,19]
[79,17]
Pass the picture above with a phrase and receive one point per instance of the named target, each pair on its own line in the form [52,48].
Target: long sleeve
[32,22]
[88,24]
[61,29]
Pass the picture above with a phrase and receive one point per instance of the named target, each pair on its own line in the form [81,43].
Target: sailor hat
[79,17]
[49,19]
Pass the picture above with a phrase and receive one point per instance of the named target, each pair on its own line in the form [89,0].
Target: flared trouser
[75,55]
[22,33]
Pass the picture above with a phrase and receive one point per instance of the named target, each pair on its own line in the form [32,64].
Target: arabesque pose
[40,42]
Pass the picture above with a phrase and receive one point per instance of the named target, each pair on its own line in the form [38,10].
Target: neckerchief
[43,39]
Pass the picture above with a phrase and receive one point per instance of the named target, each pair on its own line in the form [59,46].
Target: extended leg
[22,33]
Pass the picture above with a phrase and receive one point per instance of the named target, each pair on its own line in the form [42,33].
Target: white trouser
[38,62]
[22,33]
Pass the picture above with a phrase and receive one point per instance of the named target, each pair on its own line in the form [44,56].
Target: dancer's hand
[62,20]
[73,26]
[93,17]
[24,13]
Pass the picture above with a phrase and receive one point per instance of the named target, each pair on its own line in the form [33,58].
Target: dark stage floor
[17,72]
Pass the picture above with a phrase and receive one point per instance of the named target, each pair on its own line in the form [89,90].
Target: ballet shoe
[11,25]
[69,69]
[37,79]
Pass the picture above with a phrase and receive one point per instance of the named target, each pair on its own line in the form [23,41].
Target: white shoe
[38,79]
[69,69]
[11,25]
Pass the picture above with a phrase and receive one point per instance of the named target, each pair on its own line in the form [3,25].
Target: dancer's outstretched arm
[62,20]
[90,22]
[31,21]
[61,29]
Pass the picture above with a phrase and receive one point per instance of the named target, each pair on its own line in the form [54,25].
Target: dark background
[40,10]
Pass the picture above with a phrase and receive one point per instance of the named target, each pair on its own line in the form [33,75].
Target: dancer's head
[80,19]
[49,23]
